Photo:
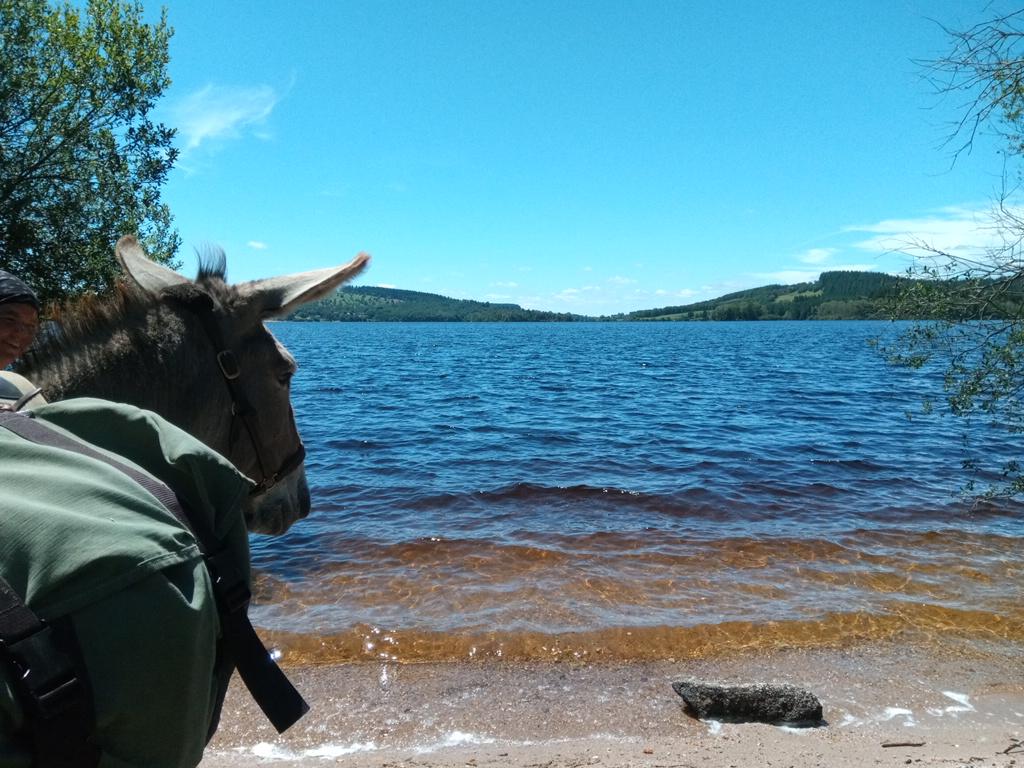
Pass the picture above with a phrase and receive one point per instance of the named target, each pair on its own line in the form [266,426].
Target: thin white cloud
[620,280]
[816,255]
[576,295]
[223,112]
[685,293]
[958,230]
[505,285]
[257,245]
[386,285]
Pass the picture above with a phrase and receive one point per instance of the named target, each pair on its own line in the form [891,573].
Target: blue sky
[592,157]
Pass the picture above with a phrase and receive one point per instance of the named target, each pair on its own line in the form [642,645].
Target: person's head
[19,317]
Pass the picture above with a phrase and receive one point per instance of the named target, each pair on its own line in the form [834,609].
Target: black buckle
[44,675]
[228,364]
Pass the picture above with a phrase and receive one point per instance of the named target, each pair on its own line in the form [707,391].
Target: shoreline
[961,706]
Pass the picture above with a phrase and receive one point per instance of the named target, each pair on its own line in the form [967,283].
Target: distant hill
[370,304]
[833,296]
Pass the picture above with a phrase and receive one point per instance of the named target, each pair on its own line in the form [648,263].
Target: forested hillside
[367,303]
[833,296]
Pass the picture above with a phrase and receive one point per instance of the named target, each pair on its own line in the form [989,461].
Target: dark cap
[16,291]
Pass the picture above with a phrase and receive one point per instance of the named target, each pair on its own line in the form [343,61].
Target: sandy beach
[884,704]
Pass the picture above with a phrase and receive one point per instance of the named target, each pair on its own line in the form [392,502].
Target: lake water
[627,491]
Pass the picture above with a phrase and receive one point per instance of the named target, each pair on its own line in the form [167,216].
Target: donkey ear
[151,277]
[281,295]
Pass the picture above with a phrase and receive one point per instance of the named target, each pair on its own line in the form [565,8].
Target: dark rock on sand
[776,704]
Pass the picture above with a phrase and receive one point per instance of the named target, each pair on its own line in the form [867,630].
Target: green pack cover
[80,538]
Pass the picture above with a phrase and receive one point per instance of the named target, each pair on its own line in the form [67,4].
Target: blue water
[622,487]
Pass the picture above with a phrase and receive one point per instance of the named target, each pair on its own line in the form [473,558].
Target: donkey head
[246,411]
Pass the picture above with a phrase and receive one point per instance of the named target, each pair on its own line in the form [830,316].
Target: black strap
[242,409]
[267,684]
[277,697]
[49,685]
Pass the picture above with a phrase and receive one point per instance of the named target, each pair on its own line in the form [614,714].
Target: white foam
[849,720]
[795,729]
[891,712]
[337,750]
[894,712]
[963,704]
[455,739]
[960,698]
[267,751]
[272,752]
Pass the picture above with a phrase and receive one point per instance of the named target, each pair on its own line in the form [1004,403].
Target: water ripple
[523,481]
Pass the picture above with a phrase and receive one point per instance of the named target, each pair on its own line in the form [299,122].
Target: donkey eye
[285,378]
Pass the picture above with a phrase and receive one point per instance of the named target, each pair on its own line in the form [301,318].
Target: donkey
[197,353]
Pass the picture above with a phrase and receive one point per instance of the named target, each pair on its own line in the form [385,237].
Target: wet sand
[955,705]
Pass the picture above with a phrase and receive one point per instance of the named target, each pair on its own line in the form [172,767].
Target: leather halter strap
[241,407]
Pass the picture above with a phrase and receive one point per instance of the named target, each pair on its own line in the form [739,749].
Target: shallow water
[627,491]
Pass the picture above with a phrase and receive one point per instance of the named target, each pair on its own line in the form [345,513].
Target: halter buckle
[228,365]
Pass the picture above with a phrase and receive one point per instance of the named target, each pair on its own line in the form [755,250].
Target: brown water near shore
[657,599]
[926,625]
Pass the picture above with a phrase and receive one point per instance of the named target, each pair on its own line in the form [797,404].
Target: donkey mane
[81,318]
[213,265]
